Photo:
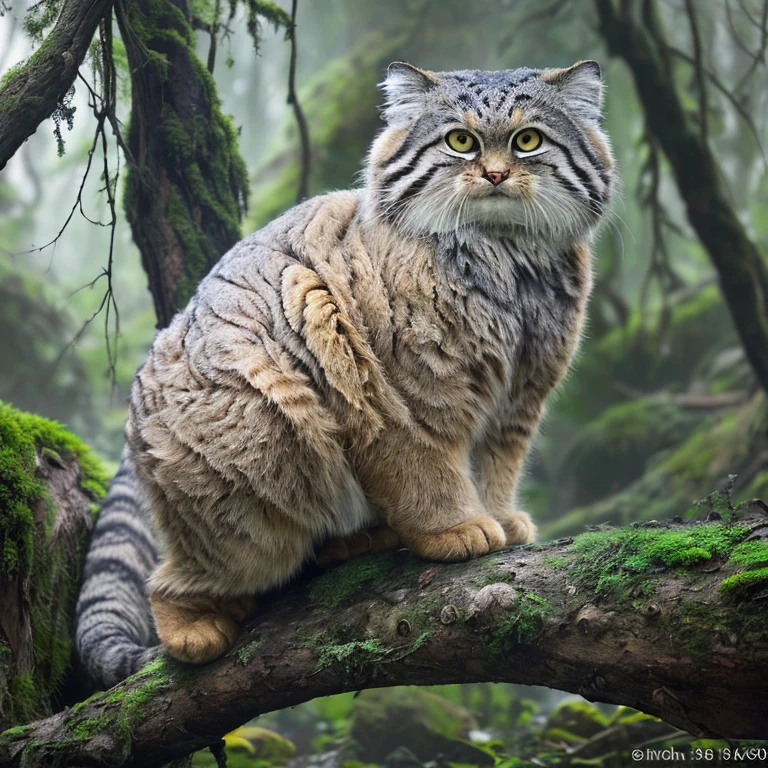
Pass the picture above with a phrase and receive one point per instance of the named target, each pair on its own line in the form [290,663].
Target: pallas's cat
[367,371]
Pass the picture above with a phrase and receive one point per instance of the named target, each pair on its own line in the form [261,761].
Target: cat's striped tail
[115,634]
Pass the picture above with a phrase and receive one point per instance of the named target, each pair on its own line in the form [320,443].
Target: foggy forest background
[660,408]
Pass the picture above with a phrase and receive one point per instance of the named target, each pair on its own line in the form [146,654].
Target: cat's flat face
[501,150]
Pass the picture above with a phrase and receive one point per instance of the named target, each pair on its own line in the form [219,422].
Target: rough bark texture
[187,184]
[668,618]
[30,92]
[740,265]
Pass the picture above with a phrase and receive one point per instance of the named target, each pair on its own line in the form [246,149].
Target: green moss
[752,554]
[17,730]
[612,450]
[207,179]
[246,652]
[557,562]
[83,730]
[673,478]
[11,73]
[24,437]
[24,701]
[745,582]
[522,624]
[634,355]
[607,561]
[692,628]
[345,580]
[122,710]
[352,654]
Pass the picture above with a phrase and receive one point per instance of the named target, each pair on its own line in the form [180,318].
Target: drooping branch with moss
[662,617]
[32,91]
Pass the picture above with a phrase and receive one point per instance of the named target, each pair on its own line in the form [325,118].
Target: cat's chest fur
[477,323]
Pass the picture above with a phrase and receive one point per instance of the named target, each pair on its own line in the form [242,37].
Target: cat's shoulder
[317,213]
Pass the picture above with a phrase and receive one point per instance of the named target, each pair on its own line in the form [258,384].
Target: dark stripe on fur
[114,631]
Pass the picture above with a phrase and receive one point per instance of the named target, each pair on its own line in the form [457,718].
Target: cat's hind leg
[199,629]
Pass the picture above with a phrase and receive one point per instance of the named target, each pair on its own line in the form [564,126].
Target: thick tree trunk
[666,618]
[31,92]
[740,266]
[187,184]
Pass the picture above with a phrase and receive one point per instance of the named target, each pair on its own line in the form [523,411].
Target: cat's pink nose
[496,177]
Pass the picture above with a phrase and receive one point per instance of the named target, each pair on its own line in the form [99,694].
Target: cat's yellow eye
[461,141]
[527,140]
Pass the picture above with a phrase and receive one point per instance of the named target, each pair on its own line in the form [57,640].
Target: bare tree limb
[698,56]
[681,639]
[31,92]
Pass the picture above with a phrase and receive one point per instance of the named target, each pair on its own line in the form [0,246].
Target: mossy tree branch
[187,184]
[30,92]
[740,266]
[668,618]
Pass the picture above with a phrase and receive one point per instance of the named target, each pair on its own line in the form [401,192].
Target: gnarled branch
[31,92]
[663,617]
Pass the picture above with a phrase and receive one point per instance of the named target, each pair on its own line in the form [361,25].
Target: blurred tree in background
[181,114]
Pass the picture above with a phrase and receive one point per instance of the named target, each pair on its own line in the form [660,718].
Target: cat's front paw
[518,528]
[197,631]
[466,540]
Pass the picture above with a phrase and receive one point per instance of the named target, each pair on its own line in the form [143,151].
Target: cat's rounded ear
[405,88]
[581,86]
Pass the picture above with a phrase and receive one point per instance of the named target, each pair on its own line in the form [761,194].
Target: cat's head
[518,148]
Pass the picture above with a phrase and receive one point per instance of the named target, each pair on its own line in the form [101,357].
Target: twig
[745,116]
[701,82]
[214,30]
[306,157]
[759,56]
[103,106]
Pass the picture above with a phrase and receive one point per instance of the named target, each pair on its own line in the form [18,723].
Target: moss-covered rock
[677,478]
[612,449]
[49,483]
[426,724]
[646,356]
